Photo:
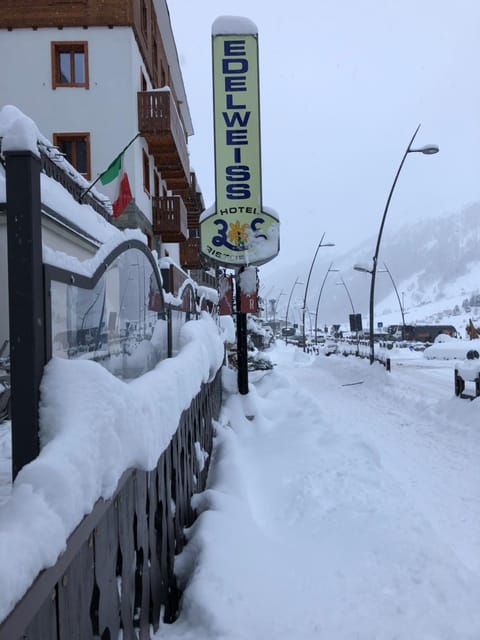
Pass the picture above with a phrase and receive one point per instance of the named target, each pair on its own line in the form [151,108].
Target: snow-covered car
[443,337]
[329,347]
[418,346]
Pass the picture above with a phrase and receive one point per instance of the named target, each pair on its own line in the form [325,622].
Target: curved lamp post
[297,281]
[276,305]
[427,150]
[343,283]
[364,269]
[402,310]
[327,244]
[264,298]
[329,270]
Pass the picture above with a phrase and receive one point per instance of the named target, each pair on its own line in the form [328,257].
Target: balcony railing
[204,278]
[169,218]
[160,124]
[193,199]
[190,254]
[192,196]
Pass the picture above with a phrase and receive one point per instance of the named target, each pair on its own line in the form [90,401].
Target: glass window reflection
[120,323]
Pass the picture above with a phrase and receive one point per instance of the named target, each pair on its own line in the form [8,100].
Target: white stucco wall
[168,39]
[107,110]
[171,249]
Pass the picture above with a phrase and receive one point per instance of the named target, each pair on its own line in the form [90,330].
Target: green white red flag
[118,185]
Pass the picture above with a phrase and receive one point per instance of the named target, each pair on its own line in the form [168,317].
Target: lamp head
[428,149]
[362,267]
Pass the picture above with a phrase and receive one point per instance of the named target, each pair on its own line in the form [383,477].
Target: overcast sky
[343,85]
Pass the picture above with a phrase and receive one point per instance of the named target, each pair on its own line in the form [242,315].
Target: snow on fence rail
[361,349]
[116,571]
[97,513]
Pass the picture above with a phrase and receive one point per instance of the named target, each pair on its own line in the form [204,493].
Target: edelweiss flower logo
[237,234]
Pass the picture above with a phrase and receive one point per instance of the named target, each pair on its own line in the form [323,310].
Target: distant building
[94,74]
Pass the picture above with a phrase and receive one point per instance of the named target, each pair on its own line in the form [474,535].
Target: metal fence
[116,573]
[117,570]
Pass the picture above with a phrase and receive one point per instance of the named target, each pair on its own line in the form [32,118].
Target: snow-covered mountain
[434,263]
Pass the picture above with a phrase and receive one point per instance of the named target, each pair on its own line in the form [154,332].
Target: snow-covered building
[93,75]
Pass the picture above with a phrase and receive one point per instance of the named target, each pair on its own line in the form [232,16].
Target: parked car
[329,347]
[419,346]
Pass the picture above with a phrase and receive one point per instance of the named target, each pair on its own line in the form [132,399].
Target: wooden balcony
[193,199]
[160,125]
[190,254]
[169,217]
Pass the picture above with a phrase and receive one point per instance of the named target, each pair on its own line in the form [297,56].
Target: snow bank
[93,428]
[452,349]
[342,503]
[21,135]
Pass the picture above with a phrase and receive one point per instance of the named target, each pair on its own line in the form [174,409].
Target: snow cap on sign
[233,25]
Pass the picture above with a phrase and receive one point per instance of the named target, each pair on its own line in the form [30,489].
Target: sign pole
[237,231]
[242,350]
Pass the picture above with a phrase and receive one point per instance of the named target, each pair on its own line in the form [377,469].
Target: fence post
[167,282]
[26,302]
[459,384]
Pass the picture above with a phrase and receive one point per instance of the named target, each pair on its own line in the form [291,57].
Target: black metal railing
[116,572]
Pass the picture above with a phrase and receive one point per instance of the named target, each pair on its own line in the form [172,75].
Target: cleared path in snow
[339,512]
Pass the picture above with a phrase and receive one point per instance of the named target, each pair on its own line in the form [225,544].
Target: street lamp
[364,269]
[265,300]
[327,244]
[297,281]
[329,270]
[276,307]
[342,283]
[427,150]
[402,310]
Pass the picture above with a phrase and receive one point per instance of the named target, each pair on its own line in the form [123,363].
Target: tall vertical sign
[237,231]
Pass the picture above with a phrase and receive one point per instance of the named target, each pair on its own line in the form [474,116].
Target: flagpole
[82,195]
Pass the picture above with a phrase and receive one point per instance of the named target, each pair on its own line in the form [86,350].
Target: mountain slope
[435,265]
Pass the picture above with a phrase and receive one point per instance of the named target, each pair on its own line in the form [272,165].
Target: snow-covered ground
[343,503]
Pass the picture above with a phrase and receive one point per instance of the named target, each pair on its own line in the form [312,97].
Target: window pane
[79,61]
[121,323]
[81,164]
[66,147]
[64,67]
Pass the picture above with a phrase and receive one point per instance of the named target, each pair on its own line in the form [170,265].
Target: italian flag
[118,186]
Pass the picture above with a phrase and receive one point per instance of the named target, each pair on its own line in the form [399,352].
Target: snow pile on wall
[93,428]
